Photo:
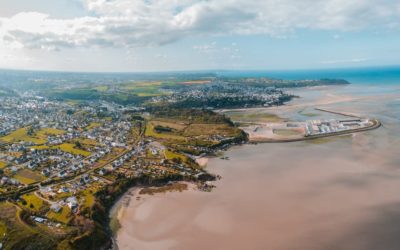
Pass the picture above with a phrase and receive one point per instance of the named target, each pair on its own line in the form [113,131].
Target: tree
[30,131]
[78,144]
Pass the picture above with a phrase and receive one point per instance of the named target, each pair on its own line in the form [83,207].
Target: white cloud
[215,51]
[206,48]
[353,60]
[131,23]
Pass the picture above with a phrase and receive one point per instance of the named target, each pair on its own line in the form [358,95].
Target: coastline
[132,187]
[128,198]
[376,124]
[319,194]
[116,214]
[134,198]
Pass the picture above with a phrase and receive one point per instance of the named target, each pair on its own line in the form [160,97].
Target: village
[55,155]
[222,94]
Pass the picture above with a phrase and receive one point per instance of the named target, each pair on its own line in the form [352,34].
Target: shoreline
[376,124]
[115,210]
[116,213]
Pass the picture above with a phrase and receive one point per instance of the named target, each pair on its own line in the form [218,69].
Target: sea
[331,193]
[364,75]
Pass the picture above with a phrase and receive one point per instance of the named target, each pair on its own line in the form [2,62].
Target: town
[67,153]
[221,94]
[56,157]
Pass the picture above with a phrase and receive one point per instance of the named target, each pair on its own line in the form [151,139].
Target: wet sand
[335,193]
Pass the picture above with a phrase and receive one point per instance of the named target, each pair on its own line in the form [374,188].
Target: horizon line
[202,70]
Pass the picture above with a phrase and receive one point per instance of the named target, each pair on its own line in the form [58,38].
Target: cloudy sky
[159,35]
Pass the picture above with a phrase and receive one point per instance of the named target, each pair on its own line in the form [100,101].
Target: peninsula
[307,130]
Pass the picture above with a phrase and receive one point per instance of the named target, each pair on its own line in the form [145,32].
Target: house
[85,179]
[4,180]
[46,172]
[72,202]
[102,172]
[63,173]
[56,207]
[39,220]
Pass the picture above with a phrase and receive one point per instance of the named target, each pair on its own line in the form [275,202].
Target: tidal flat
[336,193]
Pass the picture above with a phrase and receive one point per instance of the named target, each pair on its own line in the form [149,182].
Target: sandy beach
[202,161]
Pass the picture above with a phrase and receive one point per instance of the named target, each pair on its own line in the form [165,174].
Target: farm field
[2,164]
[252,116]
[172,155]
[150,132]
[22,135]
[3,230]
[33,202]
[26,176]
[199,129]
[88,196]
[70,148]
[93,125]
[39,137]
[18,233]
[62,216]
[180,130]
[41,147]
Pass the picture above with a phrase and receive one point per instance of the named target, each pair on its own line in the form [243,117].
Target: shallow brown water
[336,193]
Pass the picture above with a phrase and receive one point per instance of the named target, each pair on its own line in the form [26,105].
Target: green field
[129,93]
[44,132]
[62,216]
[41,147]
[171,155]
[102,88]
[20,235]
[210,129]
[33,202]
[89,142]
[70,148]
[88,197]
[39,137]
[252,116]
[93,125]
[3,230]
[26,176]
[143,89]
[2,164]
[150,132]
[22,135]
[190,131]
[181,131]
